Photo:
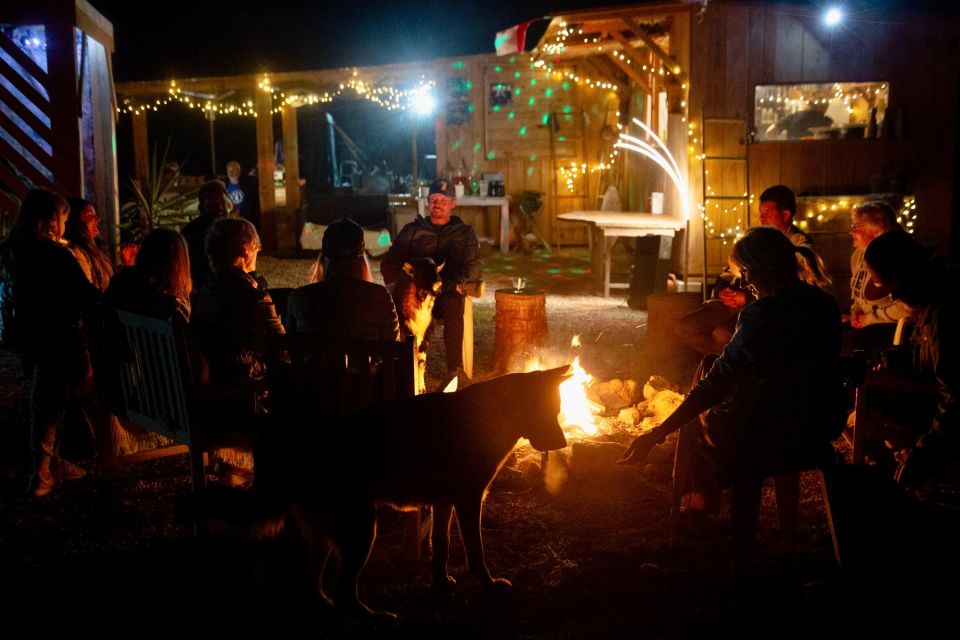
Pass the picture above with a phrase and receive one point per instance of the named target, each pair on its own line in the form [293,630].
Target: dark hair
[877,213]
[770,261]
[206,194]
[784,198]
[227,240]
[343,239]
[38,208]
[75,232]
[897,256]
[164,260]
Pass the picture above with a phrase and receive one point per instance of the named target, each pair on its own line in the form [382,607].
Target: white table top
[626,220]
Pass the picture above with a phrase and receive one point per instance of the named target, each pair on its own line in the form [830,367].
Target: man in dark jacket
[214,204]
[448,240]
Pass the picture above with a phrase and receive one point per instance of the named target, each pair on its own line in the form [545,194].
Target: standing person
[874,313]
[244,191]
[773,399]
[710,327]
[448,240]
[51,298]
[214,203]
[82,233]
[932,291]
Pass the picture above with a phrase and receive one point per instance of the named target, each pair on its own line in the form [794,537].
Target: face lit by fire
[91,222]
[772,216]
[440,208]
[863,232]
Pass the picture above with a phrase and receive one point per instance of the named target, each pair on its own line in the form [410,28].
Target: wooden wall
[516,139]
[736,46]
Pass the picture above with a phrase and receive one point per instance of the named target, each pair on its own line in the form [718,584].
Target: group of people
[60,289]
[769,398]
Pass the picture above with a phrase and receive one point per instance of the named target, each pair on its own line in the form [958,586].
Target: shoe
[66,470]
[41,484]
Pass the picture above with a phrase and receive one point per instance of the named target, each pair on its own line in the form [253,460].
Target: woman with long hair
[773,400]
[159,283]
[51,299]
[81,234]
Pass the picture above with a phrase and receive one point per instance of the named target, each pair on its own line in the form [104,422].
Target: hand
[733,298]
[641,447]
[858,319]
[914,469]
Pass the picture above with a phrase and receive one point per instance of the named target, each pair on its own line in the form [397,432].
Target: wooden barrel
[521,323]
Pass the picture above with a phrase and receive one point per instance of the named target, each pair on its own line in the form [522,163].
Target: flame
[576,411]
[575,341]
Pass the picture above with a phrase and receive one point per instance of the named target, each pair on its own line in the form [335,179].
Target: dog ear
[440,266]
[408,269]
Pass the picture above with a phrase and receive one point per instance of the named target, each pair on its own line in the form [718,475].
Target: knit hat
[343,239]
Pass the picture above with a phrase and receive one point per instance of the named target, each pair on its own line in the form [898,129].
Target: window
[820,111]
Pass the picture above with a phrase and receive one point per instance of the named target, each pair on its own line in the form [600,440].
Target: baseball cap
[442,186]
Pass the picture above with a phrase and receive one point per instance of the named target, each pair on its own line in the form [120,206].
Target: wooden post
[105,143]
[291,153]
[263,103]
[141,147]
[64,106]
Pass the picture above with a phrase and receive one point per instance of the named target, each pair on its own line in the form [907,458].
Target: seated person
[710,327]
[234,318]
[932,291]
[158,284]
[773,400]
[213,204]
[874,313]
[343,301]
[448,240]
[796,126]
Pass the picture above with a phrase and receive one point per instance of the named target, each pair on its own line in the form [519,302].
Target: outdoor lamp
[423,102]
[833,16]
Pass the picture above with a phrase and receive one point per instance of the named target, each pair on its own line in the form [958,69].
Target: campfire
[599,419]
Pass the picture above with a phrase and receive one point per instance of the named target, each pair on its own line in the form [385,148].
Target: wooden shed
[713,79]
[57,106]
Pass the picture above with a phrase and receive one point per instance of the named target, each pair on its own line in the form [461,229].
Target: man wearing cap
[448,240]
[342,302]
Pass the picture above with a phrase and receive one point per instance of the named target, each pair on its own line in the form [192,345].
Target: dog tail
[263,514]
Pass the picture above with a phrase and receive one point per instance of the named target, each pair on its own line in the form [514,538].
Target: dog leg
[320,551]
[468,515]
[440,543]
[355,544]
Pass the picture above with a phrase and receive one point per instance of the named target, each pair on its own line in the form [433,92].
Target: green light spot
[516,91]
[499,41]
[533,82]
[567,108]
[565,85]
[545,119]
[532,101]
[513,59]
[476,147]
[529,171]
[499,87]
[561,138]
[455,145]
[533,158]
[469,108]
[458,64]
[497,69]
[568,117]
[383,239]
[511,115]
[491,155]
[468,85]
[496,108]
[523,131]
[548,92]
[516,74]
[554,272]
[577,271]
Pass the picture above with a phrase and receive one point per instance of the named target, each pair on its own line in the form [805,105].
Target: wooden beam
[141,148]
[657,50]
[291,158]
[631,72]
[664,10]
[263,103]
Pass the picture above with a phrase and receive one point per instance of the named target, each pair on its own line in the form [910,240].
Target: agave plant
[158,201]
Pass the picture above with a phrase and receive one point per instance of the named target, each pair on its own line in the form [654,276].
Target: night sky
[180,38]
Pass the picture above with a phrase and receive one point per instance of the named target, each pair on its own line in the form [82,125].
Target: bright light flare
[662,156]
[575,341]
[423,102]
[833,16]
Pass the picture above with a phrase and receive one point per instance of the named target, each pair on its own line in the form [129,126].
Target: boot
[66,470]
[42,482]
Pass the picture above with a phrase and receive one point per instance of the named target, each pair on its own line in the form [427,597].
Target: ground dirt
[108,557]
